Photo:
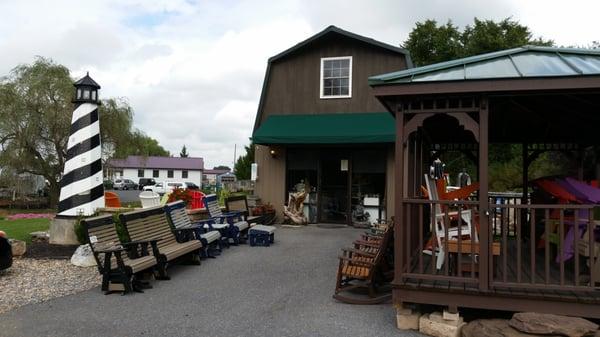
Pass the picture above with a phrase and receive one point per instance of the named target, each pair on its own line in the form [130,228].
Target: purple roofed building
[159,168]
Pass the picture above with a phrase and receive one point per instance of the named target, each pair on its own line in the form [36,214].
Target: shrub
[181,194]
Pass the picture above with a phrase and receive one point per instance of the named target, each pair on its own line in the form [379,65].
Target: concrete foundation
[62,231]
[407,318]
[435,325]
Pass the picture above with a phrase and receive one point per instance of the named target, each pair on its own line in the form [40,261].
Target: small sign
[344,165]
[93,239]
[253,171]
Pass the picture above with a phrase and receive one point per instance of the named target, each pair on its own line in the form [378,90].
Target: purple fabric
[591,193]
[581,197]
[569,239]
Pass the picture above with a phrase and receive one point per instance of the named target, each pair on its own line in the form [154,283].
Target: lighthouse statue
[81,189]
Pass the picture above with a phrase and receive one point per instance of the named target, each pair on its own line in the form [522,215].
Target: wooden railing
[537,247]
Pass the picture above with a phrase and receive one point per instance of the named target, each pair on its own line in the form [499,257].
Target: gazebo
[546,99]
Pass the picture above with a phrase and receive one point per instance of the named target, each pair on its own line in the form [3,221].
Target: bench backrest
[237,203]
[149,224]
[100,233]
[212,205]
[177,214]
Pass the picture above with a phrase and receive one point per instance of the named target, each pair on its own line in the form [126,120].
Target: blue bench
[261,235]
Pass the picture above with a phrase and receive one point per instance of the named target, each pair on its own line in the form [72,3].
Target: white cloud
[193,70]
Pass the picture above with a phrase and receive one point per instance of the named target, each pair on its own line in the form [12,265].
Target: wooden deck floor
[513,279]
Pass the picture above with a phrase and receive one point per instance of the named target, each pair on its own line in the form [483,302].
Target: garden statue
[294,211]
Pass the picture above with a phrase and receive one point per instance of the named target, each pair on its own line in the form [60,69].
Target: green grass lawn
[20,229]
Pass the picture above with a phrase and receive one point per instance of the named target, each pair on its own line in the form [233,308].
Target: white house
[159,168]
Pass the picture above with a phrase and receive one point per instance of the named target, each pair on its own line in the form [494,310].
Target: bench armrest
[357,262]
[358,252]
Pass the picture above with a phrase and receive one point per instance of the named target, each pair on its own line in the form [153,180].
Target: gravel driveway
[283,290]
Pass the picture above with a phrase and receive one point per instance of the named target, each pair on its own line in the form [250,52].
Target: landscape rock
[18,247]
[493,328]
[547,324]
[39,236]
[83,257]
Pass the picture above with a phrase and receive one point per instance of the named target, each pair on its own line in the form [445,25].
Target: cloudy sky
[193,70]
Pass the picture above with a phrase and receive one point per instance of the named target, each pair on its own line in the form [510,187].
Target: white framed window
[336,77]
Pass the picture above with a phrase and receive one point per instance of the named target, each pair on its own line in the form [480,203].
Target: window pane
[94,95]
[327,91]
[170,174]
[335,64]
[140,173]
[184,174]
[155,173]
[335,91]
[345,72]
[344,82]
[327,65]
[86,94]
[336,73]
[327,73]
[345,63]
[335,82]
[344,91]
[327,83]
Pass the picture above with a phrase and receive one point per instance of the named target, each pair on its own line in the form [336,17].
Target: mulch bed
[45,250]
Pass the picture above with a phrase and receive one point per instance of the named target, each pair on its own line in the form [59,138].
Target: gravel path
[38,280]
[283,290]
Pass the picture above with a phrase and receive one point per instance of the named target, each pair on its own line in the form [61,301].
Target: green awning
[341,128]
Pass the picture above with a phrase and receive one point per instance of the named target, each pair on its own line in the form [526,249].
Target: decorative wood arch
[464,120]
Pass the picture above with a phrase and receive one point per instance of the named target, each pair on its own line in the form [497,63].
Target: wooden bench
[179,219]
[152,224]
[230,224]
[239,203]
[119,271]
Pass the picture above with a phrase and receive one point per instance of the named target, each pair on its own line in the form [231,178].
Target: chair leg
[440,258]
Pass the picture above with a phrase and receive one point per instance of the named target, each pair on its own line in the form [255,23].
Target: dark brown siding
[293,84]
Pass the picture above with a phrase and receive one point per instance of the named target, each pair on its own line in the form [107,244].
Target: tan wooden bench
[152,224]
[119,271]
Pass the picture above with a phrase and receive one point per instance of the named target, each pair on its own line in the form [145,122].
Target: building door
[333,187]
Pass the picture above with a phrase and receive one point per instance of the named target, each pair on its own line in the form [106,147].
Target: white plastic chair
[149,199]
[439,225]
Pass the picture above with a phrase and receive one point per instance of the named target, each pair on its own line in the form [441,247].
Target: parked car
[191,186]
[146,182]
[164,187]
[125,184]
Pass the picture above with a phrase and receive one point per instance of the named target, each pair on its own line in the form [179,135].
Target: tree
[184,153]
[139,144]
[35,119]
[243,164]
[222,167]
[429,43]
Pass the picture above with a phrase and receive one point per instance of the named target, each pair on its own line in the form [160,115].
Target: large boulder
[18,247]
[493,328]
[83,257]
[548,324]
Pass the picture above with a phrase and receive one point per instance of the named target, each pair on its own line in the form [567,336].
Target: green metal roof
[338,128]
[522,62]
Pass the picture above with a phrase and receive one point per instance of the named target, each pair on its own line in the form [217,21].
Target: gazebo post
[525,171]
[399,195]
[484,258]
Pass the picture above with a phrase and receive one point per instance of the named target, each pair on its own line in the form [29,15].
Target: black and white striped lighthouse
[81,189]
